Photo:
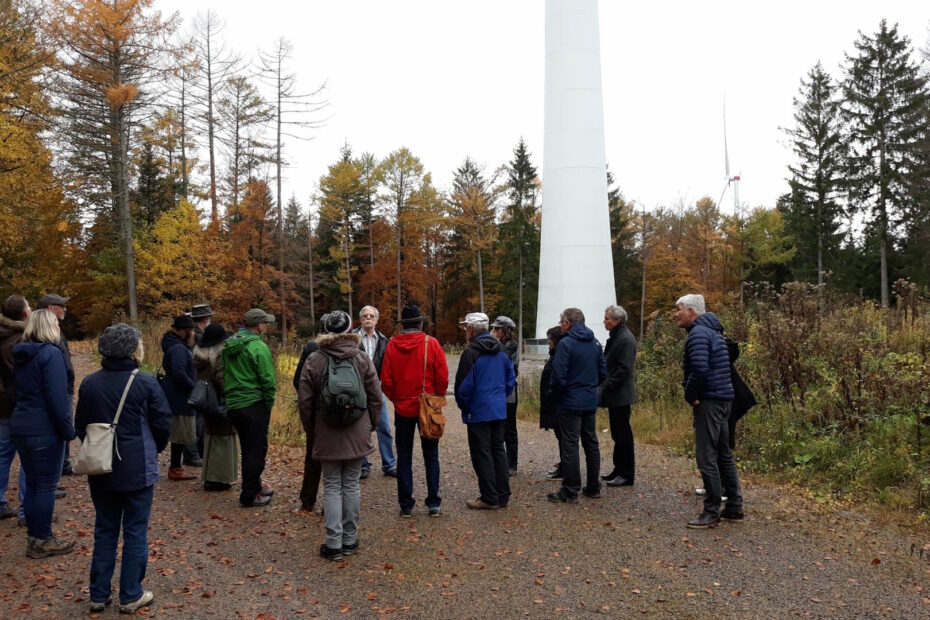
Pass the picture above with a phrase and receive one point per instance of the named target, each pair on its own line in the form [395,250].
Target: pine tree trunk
[310,264]
[281,284]
[480,281]
[122,188]
[400,240]
[184,178]
[214,214]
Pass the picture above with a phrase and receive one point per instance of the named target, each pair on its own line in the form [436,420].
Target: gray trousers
[341,501]
[714,459]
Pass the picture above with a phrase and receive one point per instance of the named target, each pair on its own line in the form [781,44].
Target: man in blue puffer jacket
[577,369]
[484,380]
[709,391]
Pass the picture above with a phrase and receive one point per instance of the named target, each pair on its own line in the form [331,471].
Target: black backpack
[342,396]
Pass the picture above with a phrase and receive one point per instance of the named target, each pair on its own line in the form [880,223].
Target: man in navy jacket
[578,368]
[484,380]
[709,391]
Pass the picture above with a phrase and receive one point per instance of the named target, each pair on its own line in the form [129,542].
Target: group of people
[344,379]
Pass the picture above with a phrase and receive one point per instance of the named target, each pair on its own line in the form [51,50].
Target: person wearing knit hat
[123,498]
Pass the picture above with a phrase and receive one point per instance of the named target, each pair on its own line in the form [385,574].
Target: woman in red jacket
[402,381]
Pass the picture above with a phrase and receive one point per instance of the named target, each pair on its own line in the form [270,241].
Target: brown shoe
[479,504]
[178,473]
[36,548]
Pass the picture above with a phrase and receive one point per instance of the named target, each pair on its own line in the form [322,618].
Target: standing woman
[221,452]
[123,496]
[502,329]
[40,426]
[180,377]
[548,417]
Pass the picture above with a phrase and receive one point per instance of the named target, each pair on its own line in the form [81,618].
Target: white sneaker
[143,601]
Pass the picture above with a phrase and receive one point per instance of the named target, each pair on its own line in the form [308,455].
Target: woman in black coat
[547,413]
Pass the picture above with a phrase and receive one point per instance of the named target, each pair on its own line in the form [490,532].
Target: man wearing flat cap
[250,392]
[58,305]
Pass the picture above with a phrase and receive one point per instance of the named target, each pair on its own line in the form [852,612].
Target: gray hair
[693,301]
[42,326]
[572,315]
[362,311]
[617,313]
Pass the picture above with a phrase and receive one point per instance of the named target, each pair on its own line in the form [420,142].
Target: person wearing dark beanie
[220,452]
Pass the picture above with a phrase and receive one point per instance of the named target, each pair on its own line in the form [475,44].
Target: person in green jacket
[250,392]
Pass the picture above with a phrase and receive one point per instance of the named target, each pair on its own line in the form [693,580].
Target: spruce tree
[626,269]
[885,101]
[818,175]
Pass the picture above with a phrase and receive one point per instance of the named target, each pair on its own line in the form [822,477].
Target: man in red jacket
[402,381]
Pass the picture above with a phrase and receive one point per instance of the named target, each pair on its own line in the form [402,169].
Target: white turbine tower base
[575,262]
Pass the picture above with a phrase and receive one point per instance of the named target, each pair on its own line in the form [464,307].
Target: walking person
[483,381]
[180,377]
[123,498]
[15,312]
[618,393]
[221,450]
[374,343]
[340,441]
[548,415]
[58,306]
[709,390]
[40,426]
[403,380]
[577,370]
[249,377]
[503,329]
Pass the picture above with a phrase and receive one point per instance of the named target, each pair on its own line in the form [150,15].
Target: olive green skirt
[184,429]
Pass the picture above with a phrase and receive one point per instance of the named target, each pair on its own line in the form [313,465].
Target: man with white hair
[709,391]
[618,393]
[374,343]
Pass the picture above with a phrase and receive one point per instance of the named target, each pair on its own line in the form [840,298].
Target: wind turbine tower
[730,179]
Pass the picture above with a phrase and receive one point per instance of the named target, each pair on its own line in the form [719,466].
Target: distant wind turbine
[730,179]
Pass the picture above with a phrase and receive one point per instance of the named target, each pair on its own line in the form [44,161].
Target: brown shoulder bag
[432,421]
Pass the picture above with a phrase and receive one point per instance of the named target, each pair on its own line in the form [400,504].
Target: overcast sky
[450,79]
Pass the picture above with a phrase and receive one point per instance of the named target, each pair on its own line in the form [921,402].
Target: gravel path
[626,554]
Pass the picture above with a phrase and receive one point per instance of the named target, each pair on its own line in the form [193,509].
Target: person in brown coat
[339,448]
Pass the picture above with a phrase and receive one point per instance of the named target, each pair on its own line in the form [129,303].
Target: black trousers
[310,486]
[582,425]
[488,457]
[510,435]
[251,424]
[622,434]
[714,459]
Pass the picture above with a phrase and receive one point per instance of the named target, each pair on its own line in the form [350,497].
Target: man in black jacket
[618,392]
[58,306]
[374,343]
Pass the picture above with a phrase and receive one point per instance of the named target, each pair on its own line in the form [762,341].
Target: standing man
[15,311]
[58,306]
[201,315]
[484,380]
[250,392]
[709,391]
[503,329]
[577,369]
[617,394]
[374,343]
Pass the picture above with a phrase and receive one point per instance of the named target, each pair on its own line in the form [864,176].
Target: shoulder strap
[122,401]
[425,357]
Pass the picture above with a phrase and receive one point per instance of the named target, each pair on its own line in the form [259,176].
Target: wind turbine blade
[720,200]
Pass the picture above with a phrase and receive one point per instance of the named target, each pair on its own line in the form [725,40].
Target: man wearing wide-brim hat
[402,381]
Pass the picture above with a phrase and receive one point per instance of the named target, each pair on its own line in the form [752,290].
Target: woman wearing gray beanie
[123,499]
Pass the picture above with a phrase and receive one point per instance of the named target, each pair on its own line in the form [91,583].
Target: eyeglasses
[369,316]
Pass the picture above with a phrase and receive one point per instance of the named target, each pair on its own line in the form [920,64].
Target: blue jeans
[385,441]
[41,457]
[7,452]
[404,430]
[132,509]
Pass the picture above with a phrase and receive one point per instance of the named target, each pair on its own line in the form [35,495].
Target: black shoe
[610,476]
[619,481]
[366,471]
[259,501]
[391,472]
[732,515]
[554,474]
[330,554]
[349,549]
[592,493]
[197,462]
[406,513]
[68,472]
[704,522]
[266,492]
[6,512]
[560,496]
[60,493]
[216,486]
[513,471]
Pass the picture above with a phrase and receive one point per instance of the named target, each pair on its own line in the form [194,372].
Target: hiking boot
[266,492]
[480,504]
[348,550]
[560,496]
[143,601]
[434,511]
[732,515]
[619,481]
[306,506]
[592,493]
[366,471]
[6,512]
[391,472]
[554,474]
[258,502]
[178,474]
[704,521]
[36,548]
[406,513]
[97,607]
[330,554]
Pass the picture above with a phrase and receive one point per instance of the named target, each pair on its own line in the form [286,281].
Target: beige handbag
[96,454]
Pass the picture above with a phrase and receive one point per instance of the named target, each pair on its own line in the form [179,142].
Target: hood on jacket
[340,345]
[409,342]
[580,332]
[485,344]
[709,320]
[169,340]
[25,351]
[238,343]
[9,325]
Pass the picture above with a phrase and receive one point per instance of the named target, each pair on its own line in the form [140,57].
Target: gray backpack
[342,398]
